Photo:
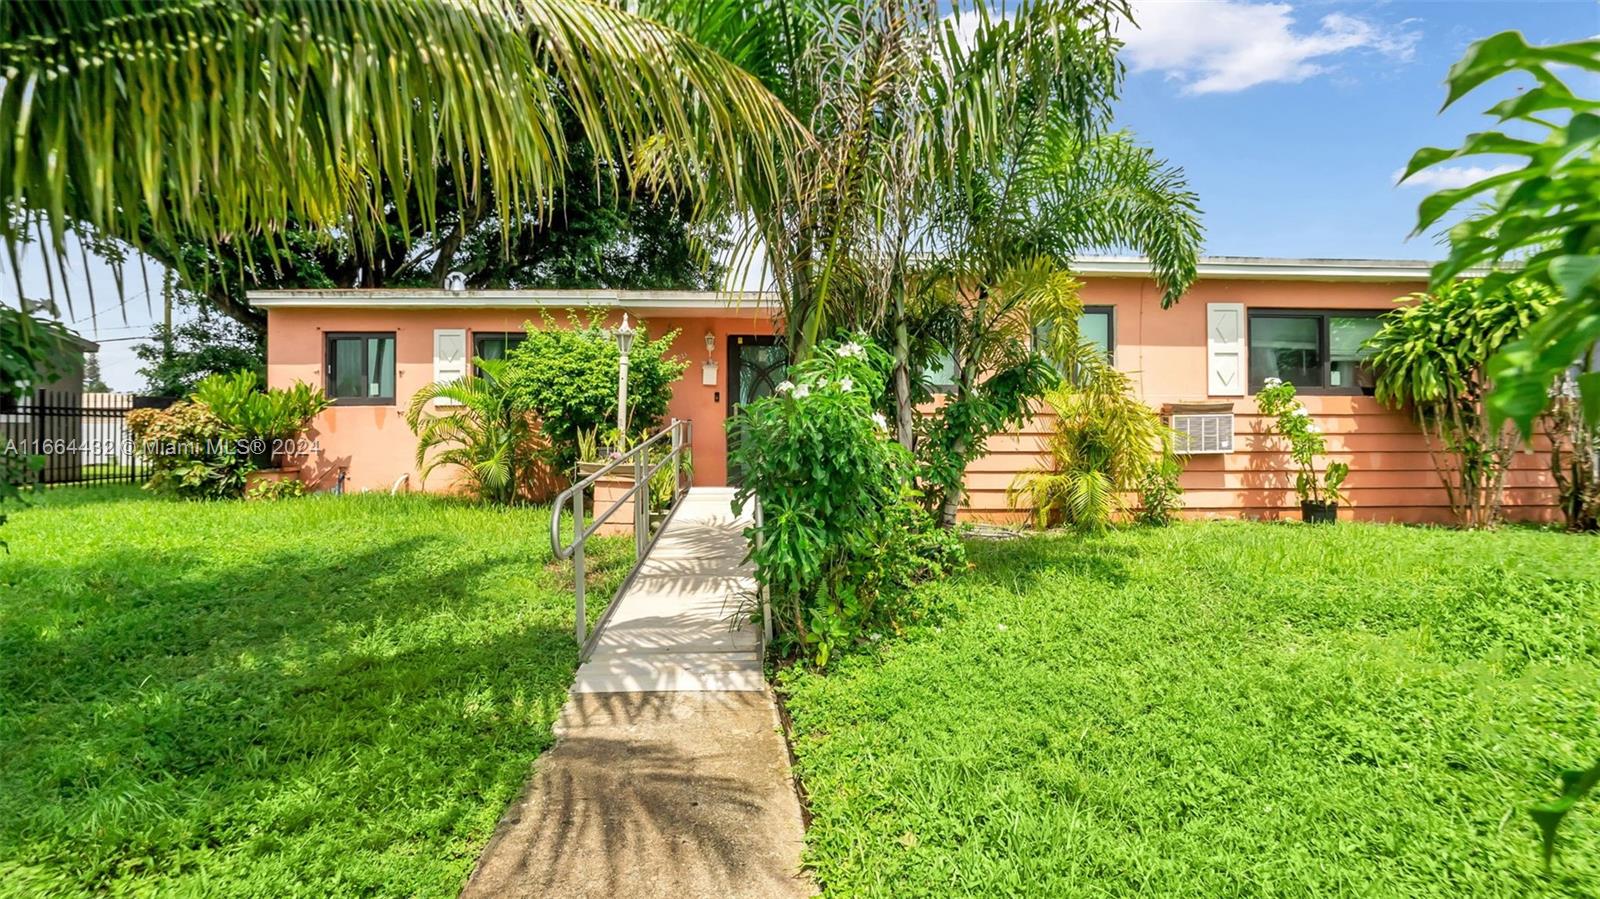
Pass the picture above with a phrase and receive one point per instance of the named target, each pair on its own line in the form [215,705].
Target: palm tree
[902,96]
[483,431]
[1107,443]
[146,120]
[1005,232]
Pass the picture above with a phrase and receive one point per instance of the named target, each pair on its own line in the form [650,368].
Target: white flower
[802,392]
[1314,428]
[1274,382]
[880,421]
[1300,412]
[784,388]
[854,350]
[845,384]
[1000,627]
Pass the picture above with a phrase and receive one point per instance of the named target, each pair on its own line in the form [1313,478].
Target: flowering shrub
[841,544]
[1305,443]
[192,453]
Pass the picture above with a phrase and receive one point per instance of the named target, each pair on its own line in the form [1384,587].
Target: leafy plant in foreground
[839,546]
[1542,216]
[192,453]
[1306,443]
[1432,357]
[1545,209]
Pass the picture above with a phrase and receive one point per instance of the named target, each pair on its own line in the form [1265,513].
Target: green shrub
[1160,494]
[1306,443]
[1107,445]
[192,453]
[568,378]
[1432,357]
[202,447]
[271,416]
[841,544]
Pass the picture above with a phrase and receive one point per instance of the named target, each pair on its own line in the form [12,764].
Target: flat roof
[1267,268]
[1261,268]
[433,298]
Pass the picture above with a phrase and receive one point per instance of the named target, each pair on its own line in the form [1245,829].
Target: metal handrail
[680,433]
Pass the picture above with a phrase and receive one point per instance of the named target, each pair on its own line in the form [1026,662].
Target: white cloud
[1230,45]
[1441,177]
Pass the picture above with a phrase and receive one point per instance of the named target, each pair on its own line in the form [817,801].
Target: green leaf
[1584,126]
[1425,157]
[1575,784]
[1573,274]
[1482,61]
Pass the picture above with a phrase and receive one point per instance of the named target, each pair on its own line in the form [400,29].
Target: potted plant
[1319,496]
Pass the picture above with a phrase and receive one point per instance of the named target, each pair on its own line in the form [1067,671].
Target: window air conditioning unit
[1203,428]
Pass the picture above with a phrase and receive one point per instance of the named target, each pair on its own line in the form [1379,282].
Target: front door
[756,366]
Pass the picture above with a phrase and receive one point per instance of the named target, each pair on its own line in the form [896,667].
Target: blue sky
[1291,118]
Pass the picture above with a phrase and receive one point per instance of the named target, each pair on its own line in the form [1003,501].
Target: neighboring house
[1244,320]
[39,423]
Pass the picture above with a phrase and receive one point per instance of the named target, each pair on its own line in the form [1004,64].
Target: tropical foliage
[203,447]
[841,546]
[1542,217]
[1107,445]
[1293,422]
[250,413]
[191,452]
[961,161]
[567,377]
[479,425]
[1433,356]
[323,113]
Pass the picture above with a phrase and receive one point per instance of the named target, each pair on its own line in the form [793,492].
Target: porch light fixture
[711,343]
[624,337]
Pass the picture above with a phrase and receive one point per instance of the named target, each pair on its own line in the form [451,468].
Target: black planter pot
[1319,513]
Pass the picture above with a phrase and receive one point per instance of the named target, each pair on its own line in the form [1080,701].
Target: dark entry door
[756,366]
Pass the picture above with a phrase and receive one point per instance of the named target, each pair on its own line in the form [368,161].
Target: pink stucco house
[1244,320]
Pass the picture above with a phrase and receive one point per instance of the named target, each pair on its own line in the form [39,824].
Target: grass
[314,697]
[1221,709]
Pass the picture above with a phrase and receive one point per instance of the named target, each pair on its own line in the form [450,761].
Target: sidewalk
[669,776]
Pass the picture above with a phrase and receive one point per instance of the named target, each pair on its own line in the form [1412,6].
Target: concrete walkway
[669,776]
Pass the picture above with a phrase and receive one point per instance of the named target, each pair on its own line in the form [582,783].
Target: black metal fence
[83,438]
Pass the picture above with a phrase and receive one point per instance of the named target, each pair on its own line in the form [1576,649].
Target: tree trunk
[903,421]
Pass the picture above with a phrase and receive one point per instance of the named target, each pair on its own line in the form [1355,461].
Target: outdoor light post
[624,344]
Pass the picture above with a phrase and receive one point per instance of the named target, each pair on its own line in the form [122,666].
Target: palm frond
[210,119]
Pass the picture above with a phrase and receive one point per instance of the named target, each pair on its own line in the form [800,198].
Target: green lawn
[1221,709]
[325,696]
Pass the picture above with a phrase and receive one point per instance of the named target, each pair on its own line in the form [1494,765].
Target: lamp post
[624,344]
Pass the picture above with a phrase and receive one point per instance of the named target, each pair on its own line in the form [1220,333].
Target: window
[493,345]
[1097,324]
[1317,352]
[941,374]
[361,368]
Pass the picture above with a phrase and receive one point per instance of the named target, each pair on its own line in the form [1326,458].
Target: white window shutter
[1225,359]
[449,358]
